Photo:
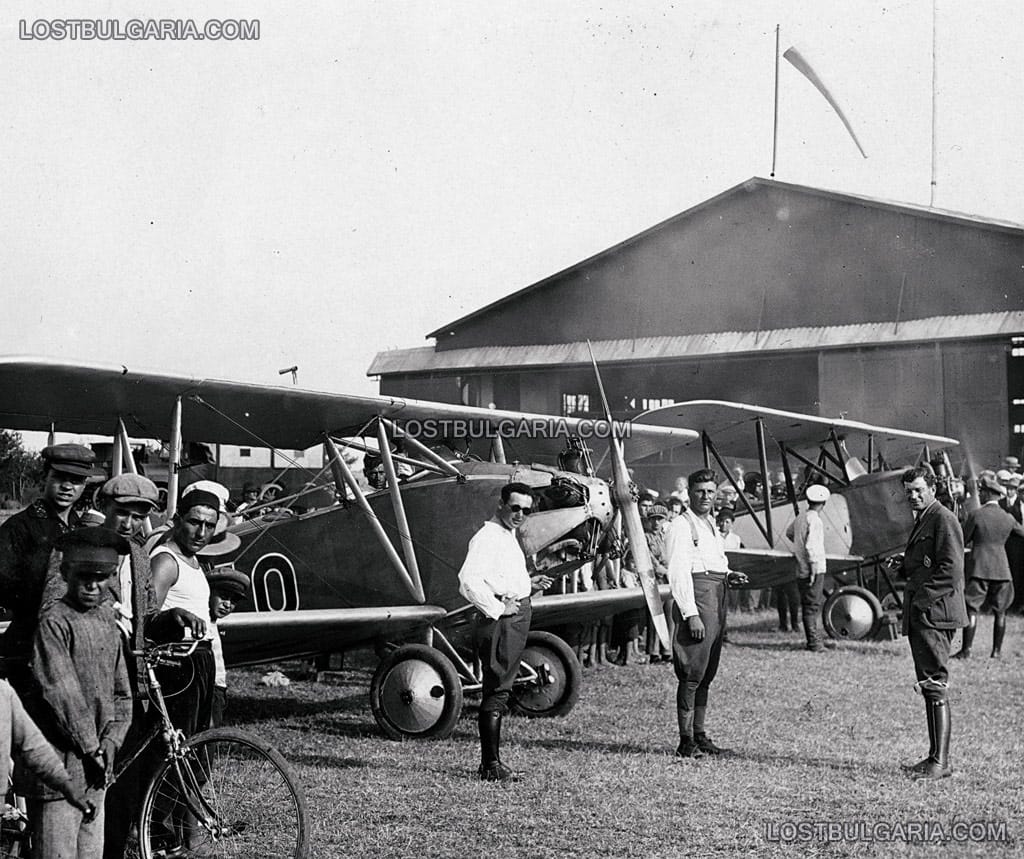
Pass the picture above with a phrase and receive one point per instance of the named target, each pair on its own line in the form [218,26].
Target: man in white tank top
[179,582]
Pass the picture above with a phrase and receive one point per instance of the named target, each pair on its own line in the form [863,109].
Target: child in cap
[228,587]
[82,698]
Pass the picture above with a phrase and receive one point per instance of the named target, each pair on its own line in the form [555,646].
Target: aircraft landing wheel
[556,688]
[416,694]
[851,613]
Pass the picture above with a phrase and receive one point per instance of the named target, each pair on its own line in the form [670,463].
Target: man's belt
[710,575]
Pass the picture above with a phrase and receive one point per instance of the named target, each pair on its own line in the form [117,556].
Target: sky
[366,172]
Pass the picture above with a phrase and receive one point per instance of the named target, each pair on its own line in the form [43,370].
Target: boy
[228,587]
[82,695]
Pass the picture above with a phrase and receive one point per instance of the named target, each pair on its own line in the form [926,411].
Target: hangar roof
[690,219]
[425,359]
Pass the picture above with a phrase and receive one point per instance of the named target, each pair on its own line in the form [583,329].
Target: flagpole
[934,182]
[775,126]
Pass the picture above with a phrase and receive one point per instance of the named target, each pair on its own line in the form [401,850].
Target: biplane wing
[38,393]
[732,426]
[866,515]
[561,609]
[254,637]
[767,568]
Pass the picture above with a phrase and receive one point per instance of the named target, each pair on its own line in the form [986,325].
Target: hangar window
[244,451]
[573,404]
[646,404]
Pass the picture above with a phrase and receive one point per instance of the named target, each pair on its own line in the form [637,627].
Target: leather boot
[921,765]
[687,747]
[938,766]
[972,627]
[491,767]
[998,634]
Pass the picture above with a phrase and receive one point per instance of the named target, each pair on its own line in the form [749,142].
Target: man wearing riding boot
[807,534]
[933,608]
[698,575]
[495,580]
[986,530]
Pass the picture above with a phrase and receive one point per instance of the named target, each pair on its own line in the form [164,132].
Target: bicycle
[219,793]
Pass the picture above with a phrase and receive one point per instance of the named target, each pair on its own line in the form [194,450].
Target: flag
[802,66]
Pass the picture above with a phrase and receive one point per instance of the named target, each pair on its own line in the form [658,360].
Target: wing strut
[710,447]
[631,519]
[423,450]
[343,478]
[121,441]
[766,493]
[175,463]
[408,549]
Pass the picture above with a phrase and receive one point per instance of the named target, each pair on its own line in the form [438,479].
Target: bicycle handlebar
[167,654]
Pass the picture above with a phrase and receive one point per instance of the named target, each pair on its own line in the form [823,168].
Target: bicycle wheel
[229,794]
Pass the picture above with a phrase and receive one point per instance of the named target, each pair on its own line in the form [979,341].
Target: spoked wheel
[228,795]
[851,613]
[416,694]
[549,683]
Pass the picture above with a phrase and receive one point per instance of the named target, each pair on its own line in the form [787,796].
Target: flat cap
[132,489]
[990,484]
[658,511]
[92,544]
[70,459]
[230,580]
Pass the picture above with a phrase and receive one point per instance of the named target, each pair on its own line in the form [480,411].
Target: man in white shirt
[807,534]
[495,580]
[698,575]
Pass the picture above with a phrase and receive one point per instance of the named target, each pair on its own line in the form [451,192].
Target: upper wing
[251,637]
[731,428]
[37,393]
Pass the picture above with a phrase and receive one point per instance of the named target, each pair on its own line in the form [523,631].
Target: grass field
[818,738]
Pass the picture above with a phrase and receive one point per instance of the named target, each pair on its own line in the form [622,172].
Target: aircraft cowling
[544,528]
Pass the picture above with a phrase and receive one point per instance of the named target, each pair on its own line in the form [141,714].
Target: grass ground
[818,740]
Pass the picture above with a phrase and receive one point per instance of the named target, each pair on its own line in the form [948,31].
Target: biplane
[866,518]
[369,567]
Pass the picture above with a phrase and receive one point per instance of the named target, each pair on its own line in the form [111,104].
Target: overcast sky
[366,172]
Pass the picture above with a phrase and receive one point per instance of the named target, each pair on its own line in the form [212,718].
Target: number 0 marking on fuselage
[277,568]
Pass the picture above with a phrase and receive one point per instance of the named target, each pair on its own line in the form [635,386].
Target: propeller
[626,502]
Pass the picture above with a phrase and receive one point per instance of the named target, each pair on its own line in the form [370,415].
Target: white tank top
[191,591]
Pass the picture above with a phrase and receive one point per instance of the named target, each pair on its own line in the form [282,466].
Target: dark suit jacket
[934,565]
[987,530]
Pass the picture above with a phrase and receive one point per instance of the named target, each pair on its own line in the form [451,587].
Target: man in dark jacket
[26,542]
[933,608]
[986,531]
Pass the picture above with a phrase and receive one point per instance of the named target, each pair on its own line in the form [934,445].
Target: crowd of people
[84,596]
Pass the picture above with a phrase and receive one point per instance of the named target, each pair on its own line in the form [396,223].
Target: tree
[19,468]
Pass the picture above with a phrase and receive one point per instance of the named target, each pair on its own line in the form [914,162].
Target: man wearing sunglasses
[495,580]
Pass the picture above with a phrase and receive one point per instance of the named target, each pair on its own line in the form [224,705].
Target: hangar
[770,293]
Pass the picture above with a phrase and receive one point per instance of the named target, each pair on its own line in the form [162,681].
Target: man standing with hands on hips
[698,575]
[495,580]
[933,608]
